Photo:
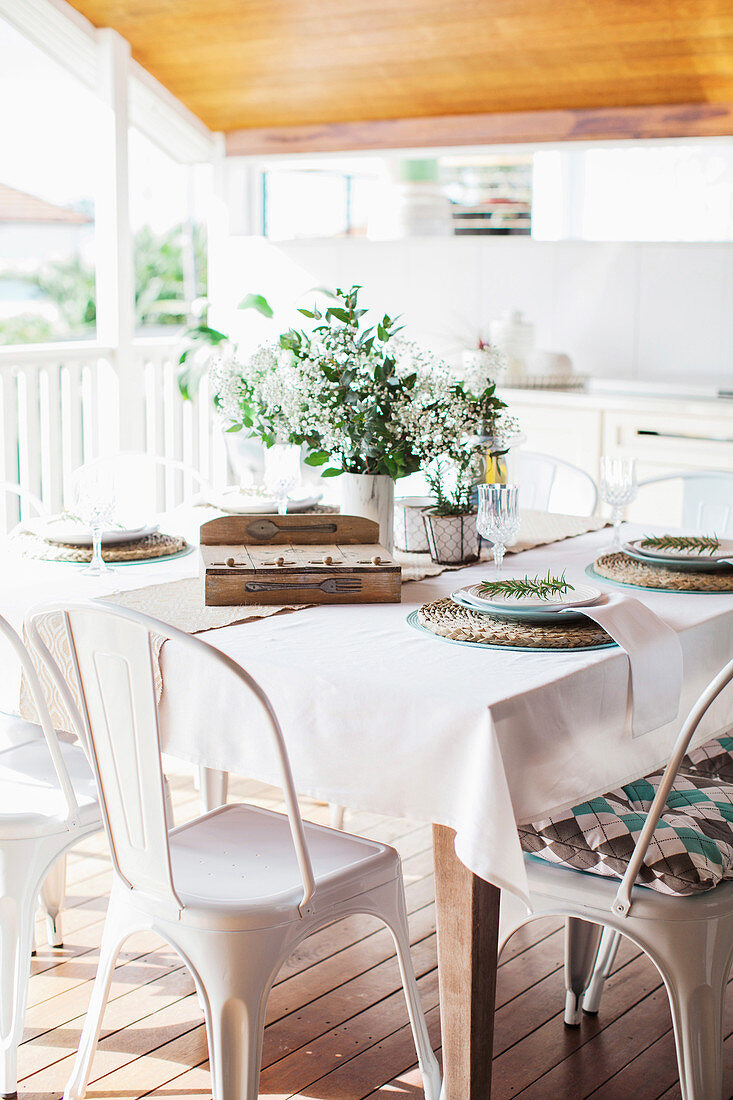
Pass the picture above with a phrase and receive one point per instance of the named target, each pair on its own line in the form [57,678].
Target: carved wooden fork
[332,585]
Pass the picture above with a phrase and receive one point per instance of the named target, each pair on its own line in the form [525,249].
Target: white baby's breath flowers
[366,401]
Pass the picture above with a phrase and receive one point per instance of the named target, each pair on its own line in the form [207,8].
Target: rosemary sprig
[699,544]
[541,587]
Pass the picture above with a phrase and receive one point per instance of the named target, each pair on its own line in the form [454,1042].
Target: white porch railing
[60,407]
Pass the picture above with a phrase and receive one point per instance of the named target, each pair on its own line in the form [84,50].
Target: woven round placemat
[145,549]
[619,567]
[448,620]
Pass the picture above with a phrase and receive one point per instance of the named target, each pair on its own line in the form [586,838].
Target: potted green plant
[338,391]
[455,461]
[450,525]
[364,403]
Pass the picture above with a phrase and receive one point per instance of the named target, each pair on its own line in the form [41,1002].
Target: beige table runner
[538,529]
[181,604]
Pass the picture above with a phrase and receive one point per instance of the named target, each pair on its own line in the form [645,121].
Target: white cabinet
[573,434]
[665,435]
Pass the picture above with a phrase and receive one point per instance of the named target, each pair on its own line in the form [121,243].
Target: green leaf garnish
[541,587]
[697,544]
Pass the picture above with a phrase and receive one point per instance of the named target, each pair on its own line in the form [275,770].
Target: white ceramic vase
[371,496]
[246,456]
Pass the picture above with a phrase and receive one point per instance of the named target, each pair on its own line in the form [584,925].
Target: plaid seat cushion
[714,759]
[692,847]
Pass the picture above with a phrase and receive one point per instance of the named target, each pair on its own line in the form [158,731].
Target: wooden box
[307,558]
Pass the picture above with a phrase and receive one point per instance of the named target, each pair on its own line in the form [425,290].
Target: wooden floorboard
[336,1022]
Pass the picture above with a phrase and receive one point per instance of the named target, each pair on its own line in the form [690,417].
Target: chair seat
[714,760]
[216,869]
[16,731]
[567,889]
[691,850]
[31,801]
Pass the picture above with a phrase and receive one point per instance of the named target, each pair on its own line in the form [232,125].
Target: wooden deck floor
[336,1020]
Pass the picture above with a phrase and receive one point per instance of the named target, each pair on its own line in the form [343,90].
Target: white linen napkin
[655,657]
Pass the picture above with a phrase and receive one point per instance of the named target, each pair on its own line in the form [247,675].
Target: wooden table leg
[468,926]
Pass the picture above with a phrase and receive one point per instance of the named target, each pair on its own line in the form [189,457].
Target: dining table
[381,716]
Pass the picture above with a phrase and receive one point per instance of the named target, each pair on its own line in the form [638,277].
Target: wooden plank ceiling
[244,64]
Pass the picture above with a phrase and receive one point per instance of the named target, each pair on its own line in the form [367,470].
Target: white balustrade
[59,407]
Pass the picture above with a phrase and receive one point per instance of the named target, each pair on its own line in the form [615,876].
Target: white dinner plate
[543,617]
[239,503]
[725,550]
[695,564]
[70,532]
[582,595]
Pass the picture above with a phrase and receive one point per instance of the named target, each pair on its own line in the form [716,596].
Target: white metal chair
[48,803]
[706,498]
[688,938]
[549,484]
[233,891]
[25,501]
[16,731]
[146,483]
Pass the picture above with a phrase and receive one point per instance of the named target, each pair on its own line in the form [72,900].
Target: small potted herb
[450,526]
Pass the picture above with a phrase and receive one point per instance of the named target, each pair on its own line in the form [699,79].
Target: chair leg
[235,1028]
[116,930]
[17,915]
[213,788]
[234,972]
[694,960]
[581,947]
[395,917]
[610,941]
[336,815]
[53,895]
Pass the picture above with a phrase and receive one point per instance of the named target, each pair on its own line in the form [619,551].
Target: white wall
[644,311]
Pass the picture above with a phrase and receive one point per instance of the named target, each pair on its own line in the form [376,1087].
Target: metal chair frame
[233,942]
[689,939]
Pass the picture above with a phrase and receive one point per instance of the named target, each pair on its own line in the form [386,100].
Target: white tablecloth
[380,717]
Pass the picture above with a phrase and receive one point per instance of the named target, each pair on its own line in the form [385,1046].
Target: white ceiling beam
[60,30]
[73,42]
[165,120]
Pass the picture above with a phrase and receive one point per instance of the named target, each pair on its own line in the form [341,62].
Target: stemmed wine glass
[94,502]
[282,472]
[498,518]
[617,488]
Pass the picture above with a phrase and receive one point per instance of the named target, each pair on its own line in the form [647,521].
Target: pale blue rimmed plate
[523,614]
[681,565]
[125,564]
[412,620]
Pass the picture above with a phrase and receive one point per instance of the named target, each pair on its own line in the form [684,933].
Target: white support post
[114,241]
[217,228]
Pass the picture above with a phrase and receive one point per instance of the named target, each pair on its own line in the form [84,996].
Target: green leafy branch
[541,587]
[697,544]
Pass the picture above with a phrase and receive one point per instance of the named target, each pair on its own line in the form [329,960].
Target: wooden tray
[273,559]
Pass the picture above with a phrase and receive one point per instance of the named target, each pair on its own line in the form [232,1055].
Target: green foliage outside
[160,289]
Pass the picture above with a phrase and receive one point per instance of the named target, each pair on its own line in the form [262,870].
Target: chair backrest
[146,484]
[22,502]
[52,741]
[549,484]
[707,499]
[622,901]
[113,662]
